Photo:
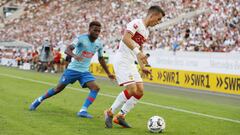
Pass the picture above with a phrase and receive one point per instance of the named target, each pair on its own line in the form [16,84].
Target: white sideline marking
[145,103]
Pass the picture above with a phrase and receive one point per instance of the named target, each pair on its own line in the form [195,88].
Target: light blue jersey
[85,49]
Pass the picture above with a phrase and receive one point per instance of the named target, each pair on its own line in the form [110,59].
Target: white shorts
[126,73]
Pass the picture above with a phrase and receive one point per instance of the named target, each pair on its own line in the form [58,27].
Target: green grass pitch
[185,112]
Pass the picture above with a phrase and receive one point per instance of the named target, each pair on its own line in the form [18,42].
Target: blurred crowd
[45,59]
[214,31]
[217,30]
[2,2]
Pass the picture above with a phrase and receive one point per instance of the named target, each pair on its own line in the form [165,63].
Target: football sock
[49,93]
[90,99]
[129,104]
[120,100]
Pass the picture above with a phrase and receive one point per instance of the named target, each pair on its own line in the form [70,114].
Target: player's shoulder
[99,42]
[136,23]
[79,39]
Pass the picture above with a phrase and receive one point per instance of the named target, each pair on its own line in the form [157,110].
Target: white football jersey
[140,34]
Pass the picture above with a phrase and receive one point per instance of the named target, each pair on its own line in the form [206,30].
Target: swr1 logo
[232,83]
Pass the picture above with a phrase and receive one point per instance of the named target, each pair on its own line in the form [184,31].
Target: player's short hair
[154,9]
[94,23]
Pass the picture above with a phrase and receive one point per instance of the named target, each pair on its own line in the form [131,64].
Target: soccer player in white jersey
[126,71]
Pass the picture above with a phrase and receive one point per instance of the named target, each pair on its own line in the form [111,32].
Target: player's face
[155,19]
[94,31]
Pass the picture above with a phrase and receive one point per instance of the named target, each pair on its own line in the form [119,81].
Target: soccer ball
[156,124]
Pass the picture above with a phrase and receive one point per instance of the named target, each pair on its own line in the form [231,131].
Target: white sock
[119,101]
[129,105]
[40,99]
[83,109]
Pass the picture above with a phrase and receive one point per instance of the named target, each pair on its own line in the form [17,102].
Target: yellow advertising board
[214,82]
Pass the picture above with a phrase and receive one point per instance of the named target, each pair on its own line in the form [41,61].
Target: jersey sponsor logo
[138,38]
[87,54]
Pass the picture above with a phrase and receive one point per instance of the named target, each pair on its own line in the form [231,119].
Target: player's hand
[142,58]
[111,76]
[78,58]
[146,71]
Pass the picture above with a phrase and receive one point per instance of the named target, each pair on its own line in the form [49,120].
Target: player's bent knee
[139,92]
[95,87]
[60,87]
[131,89]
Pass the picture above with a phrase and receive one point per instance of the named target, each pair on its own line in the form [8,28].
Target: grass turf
[57,115]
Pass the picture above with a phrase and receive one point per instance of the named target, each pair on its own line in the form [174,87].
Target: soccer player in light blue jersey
[81,50]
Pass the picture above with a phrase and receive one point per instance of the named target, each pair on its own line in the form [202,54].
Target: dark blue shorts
[71,76]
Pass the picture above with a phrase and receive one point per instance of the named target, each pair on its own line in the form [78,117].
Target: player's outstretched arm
[127,39]
[104,66]
[69,50]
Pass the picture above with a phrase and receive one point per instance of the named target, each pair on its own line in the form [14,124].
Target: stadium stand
[197,25]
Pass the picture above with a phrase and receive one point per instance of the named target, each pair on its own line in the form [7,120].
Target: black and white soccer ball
[156,124]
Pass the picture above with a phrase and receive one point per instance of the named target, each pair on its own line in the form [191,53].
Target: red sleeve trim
[130,32]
